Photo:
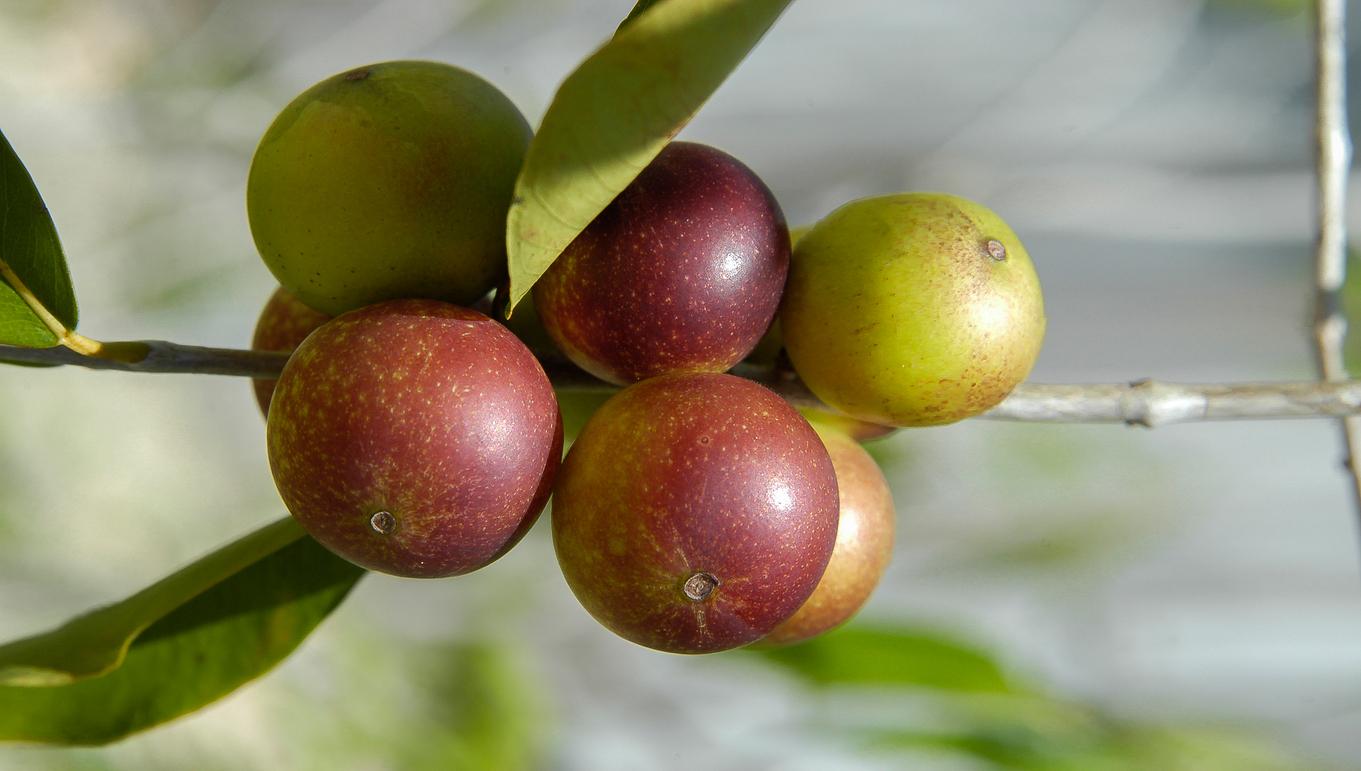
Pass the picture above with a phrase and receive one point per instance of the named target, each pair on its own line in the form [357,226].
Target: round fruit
[414,437]
[694,513]
[682,272]
[864,543]
[770,353]
[912,310]
[284,322]
[391,180]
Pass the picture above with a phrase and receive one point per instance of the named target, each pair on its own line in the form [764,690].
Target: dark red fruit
[683,272]
[414,437]
[284,322]
[695,513]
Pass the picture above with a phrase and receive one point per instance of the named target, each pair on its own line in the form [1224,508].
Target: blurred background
[1060,597]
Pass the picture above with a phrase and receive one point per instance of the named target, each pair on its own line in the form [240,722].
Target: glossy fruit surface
[695,512]
[284,323]
[388,181]
[414,437]
[769,353]
[864,543]
[913,309]
[682,272]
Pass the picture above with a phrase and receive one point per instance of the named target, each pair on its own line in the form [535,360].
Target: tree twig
[1330,258]
[159,356]
[1147,403]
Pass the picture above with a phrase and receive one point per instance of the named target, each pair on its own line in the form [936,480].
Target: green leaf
[637,11]
[891,656]
[615,112]
[174,647]
[95,643]
[29,245]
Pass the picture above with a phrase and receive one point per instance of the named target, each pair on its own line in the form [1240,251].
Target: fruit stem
[65,336]
[1146,403]
[699,586]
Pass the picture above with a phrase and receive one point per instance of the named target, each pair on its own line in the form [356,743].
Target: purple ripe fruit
[414,437]
[682,272]
[695,512]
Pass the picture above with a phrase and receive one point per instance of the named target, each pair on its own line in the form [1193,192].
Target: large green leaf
[29,246]
[95,643]
[615,112]
[174,647]
[891,656]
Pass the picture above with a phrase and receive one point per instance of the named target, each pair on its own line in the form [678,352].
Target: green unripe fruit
[912,310]
[388,181]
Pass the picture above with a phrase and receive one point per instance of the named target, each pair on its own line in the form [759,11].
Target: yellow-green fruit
[388,181]
[854,428]
[912,310]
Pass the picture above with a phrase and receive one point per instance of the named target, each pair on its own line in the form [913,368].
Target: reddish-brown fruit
[284,322]
[695,513]
[414,437]
[682,272]
[864,543]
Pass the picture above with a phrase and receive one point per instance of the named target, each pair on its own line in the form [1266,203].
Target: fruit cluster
[696,511]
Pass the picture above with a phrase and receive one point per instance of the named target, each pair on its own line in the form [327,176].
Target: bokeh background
[1188,597]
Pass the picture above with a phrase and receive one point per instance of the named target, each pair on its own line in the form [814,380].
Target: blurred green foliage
[455,705]
[893,656]
[482,711]
[941,696]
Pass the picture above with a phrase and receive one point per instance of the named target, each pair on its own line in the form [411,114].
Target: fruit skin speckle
[428,411]
[898,313]
[682,272]
[284,322]
[695,474]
